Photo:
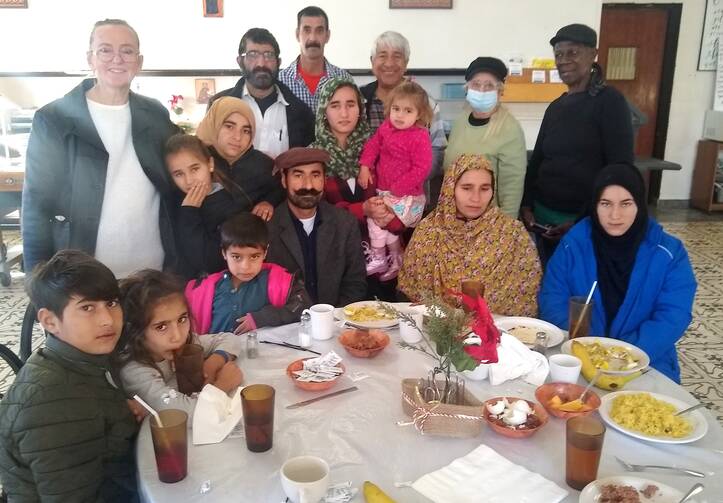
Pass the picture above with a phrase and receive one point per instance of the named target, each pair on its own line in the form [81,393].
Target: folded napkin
[517,360]
[215,415]
[484,475]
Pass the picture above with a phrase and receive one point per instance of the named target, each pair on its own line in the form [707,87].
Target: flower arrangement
[176,102]
[447,338]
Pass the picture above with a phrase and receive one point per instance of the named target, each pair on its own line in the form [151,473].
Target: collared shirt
[229,303]
[293,80]
[308,250]
[272,132]
[376,113]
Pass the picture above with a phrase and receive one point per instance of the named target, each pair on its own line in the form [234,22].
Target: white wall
[175,35]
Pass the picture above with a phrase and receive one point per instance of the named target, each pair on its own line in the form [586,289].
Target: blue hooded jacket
[657,306]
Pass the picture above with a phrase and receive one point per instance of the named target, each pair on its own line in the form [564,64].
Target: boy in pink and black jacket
[250,294]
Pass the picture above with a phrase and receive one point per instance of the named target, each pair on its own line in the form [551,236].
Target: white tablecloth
[357,434]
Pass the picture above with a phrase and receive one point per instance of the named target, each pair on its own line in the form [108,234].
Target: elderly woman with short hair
[486,127]
[389,58]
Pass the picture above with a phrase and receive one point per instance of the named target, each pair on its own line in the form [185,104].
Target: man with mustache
[314,238]
[308,73]
[282,119]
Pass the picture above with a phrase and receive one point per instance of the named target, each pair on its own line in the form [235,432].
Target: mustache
[313,44]
[261,69]
[308,192]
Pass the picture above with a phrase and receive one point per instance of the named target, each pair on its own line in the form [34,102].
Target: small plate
[700,425]
[554,335]
[339,315]
[665,494]
[642,356]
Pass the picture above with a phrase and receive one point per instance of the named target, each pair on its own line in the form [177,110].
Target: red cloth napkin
[484,326]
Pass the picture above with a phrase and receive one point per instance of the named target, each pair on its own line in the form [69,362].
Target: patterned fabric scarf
[494,249]
[344,162]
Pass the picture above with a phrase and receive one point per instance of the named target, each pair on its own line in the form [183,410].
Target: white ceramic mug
[305,479]
[322,321]
[407,332]
[564,368]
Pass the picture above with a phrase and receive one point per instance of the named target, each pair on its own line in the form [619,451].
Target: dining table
[362,435]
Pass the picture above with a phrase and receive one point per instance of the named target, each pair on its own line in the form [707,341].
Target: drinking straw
[584,310]
[149,409]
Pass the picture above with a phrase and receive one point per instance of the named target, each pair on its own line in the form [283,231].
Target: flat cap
[486,64]
[299,156]
[580,33]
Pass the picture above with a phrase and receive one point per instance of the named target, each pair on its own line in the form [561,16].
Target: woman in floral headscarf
[468,237]
[228,130]
[340,132]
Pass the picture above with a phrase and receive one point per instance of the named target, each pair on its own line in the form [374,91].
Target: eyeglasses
[254,55]
[107,54]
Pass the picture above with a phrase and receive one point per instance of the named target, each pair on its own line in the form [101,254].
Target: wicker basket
[441,419]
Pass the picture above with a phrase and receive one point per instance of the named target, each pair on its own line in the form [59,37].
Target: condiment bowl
[353,342]
[514,431]
[306,385]
[566,392]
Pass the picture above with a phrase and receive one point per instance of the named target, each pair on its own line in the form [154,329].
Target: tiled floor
[700,350]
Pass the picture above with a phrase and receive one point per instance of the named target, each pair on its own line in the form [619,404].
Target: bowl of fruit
[562,399]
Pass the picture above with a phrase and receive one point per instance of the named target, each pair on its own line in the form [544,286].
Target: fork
[640,468]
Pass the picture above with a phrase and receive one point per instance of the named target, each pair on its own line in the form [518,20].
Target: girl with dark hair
[582,131]
[157,324]
[645,281]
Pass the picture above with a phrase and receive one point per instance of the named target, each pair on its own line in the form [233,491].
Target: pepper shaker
[540,343]
[252,345]
[305,330]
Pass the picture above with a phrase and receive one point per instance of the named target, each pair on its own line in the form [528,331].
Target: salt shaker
[540,343]
[305,330]
[252,345]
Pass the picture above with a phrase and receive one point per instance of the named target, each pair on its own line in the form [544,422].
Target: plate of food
[629,489]
[514,417]
[366,314]
[650,416]
[613,356]
[525,329]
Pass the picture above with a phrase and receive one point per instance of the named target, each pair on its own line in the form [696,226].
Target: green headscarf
[344,162]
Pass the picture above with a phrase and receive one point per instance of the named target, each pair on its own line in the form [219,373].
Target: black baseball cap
[580,33]
[486,64]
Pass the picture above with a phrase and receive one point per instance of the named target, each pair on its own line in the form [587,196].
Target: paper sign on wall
[538,76]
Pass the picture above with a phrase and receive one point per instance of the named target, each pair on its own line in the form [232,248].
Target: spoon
[693,491]
[580,401]
[689,409]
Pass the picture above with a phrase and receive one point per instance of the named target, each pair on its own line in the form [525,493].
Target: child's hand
[229,377]
[365,177]
[244,325]
[196,195]
[263,210]
[211,367]
[138,411]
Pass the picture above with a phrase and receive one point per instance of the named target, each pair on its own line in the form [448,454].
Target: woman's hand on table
[196,195]
[263,210]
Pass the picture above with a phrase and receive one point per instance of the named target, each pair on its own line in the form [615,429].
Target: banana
[372,494]
[605,381]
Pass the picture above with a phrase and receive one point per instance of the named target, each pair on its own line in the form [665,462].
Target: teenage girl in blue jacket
[646,284]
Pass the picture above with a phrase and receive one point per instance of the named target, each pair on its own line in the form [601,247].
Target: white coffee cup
[322,321]
[305,479]
[407,332]
[564,368]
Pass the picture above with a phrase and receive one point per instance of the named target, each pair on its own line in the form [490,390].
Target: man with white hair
[389,57]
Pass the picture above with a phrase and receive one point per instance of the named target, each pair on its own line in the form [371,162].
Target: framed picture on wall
[205,88]
[14,4]
[420,4]
[212,8]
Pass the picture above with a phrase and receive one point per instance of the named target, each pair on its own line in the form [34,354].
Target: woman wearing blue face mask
[485,127]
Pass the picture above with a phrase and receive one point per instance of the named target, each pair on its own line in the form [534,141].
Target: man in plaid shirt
[308,72]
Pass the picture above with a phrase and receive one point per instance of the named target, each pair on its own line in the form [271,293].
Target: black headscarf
[616,254]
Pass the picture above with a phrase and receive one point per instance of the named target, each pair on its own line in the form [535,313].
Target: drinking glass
[170,443]
[580,317]
[257,401]
[189,368]
[583,448]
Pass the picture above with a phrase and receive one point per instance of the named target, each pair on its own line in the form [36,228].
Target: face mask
[482,101]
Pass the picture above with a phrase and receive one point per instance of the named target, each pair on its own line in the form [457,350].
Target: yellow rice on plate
[644,413]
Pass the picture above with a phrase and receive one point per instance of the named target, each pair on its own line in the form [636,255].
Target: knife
[312,400]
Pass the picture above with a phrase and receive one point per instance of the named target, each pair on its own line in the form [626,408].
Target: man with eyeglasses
[308,73]
[282,120]
[95,177]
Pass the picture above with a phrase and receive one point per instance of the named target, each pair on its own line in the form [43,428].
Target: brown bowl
[349,339]
[309,386]
[509,431]
[566,392]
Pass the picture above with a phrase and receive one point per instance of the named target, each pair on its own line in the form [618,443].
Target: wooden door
[633,42]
